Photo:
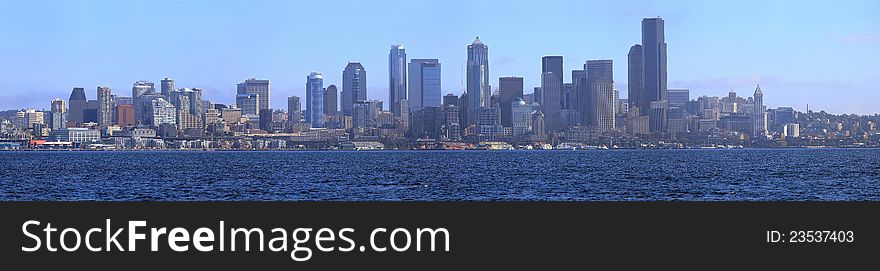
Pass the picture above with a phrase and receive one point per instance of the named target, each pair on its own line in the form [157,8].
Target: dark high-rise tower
[78,103]
[553,65]
[580,95]
[636,86]
[654,66]
[167,86]
[551,92]
[396,78]
[331,101]
[354,86]
[511,87]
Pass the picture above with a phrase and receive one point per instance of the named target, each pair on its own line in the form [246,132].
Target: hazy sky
[822,53]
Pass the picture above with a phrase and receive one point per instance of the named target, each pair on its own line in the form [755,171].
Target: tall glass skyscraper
[478,91]
[78,103]
[636,81]
[396,78]
[354,86]
[654,66]
[551,90]
[580,95]
[315,99]
[424,84]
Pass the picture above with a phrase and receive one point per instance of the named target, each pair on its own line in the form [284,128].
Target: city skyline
[32,83]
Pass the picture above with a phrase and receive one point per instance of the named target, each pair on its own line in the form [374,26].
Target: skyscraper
[167,86]
[604,101]
[596,70]
[139,89]
[553,64]
[511,88]
[580,95]
[315,99]
[331,101]
[551,90]
[354,86]
[654,66]
[59,114]
[636,80]
[759,114]
[478,91]
[124,115]
[256,86]
[450,99]
[294,109]
[248,102]
[105,107]
[78,103]
[678,97]
[424,84]
[364,113]
[520,117]
[396,78]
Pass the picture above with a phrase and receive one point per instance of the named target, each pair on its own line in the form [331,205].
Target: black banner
[440,235]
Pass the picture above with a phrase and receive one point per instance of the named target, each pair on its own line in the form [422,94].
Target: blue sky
[822,53]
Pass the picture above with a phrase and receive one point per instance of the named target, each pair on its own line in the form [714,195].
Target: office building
[354,86]
[511,88]
[654,66]
[166,86]
[249,103]
[604,101]
[636,76]
[75,135]
[78,103]
[315,100]
[105,107]
[520,117]
[294,109]
[124,115]
[759,114]
[139,89]
[424,84]
[364,113]
[331,101]
[59,114]
[551,90]
[256,86]
[580,96]
[553,65]
[397,80]
[159,112]
[678,97]
[450,99]
[596,70]
[478,90]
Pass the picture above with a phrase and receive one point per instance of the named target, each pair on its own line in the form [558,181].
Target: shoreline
[433,150]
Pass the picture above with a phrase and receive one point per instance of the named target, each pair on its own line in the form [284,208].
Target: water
[774,174]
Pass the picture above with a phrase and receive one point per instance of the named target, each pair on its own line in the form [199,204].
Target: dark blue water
[790,174]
